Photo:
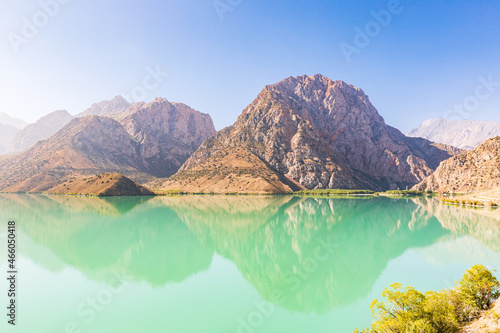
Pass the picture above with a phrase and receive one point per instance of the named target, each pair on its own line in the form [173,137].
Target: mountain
[108,184]
[42,129]
[315,133]
[106,108]
[53,122]
[168,133]
[152,141]
[477,170]
[86,146]
[5,119]
[465,134]
[7,133]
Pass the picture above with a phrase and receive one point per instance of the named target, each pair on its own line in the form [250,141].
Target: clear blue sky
[427,59]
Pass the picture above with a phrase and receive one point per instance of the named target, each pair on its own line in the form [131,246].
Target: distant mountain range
[28,135]
[309,132]
[7,133]
[40,130]
[9,126]
[5,119]
[464,134]
[153,140]
[306,132]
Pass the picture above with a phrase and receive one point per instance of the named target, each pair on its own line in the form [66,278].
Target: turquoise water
[230,264]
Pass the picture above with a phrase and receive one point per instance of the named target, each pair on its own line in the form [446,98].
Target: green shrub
[408,310]
[405,192]
[333,192]
[479,287]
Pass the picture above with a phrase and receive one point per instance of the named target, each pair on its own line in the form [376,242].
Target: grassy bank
[334,192]
[470,203]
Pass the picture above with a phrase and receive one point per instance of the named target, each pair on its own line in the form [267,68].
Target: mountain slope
[324,134]
[40,130]
[231,170]
[109,184]
[7,133]
[107,108]
[477,170]
[465,134]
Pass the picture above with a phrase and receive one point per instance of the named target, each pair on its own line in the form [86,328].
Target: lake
[217,264]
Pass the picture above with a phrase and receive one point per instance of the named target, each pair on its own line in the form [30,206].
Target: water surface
[231,264]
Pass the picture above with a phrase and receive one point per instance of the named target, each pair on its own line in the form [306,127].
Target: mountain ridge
[42,129]
[7,133]
[95,144]
[6,119]
[324,134]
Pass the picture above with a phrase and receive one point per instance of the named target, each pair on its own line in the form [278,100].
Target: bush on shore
[407,310]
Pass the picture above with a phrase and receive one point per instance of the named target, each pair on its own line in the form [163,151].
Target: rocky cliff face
[168,133]
[153,141]
[40,130]
[107,108]
[465,134]
[473,171]
[325,134]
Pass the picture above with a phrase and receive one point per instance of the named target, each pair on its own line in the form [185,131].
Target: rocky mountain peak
[106,108]
[317,95]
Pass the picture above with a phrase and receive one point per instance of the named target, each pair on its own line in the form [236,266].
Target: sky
[415,59]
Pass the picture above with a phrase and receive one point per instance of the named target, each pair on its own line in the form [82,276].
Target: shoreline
[178,194]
